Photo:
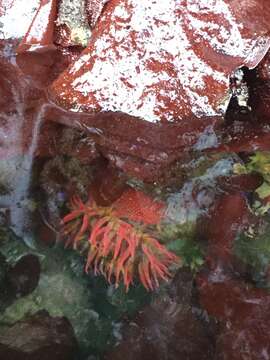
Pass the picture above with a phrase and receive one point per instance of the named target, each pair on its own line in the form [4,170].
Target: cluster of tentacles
[118,250]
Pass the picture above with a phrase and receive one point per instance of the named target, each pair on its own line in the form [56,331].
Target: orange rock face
[165,61]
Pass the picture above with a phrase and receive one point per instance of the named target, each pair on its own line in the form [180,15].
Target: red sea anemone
[116,248]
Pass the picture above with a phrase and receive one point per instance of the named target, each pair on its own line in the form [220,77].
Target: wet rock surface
[243,314]
[141,70]
[139,148]
[166,329]
[58,293]
[19,277]
[148,157]
[260,92]
[38,337]
[248,341]
[23,277]
[163,125]
[93,309]
[225,292]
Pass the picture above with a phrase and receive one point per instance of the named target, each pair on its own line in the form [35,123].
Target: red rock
[20,106]
[108,184]
[247,341]
[40,32]
[229,216]
[94,9]
[166,329]
[264,68]
[62,36]
[47,142]
[42,68]
[141,149]
[164,62]
[144,140]
[121,118]
[145,170]
[260,91]
[37,55]
[241,309]
[230,299]
[244,183]
[244,315]
[243,312]
[249,138]
[262,104]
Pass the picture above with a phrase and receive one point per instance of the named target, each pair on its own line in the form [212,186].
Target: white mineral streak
[37,30]
[72,13]
[79,63]
[114,81]
[17,17]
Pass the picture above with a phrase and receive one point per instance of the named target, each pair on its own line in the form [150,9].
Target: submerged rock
[241,308]
[60,292]
[18,277]
[64,290]
[246,341]
[3,287]
[39,336]
[166,329]
[23,278]
[229,217]
[243,312]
